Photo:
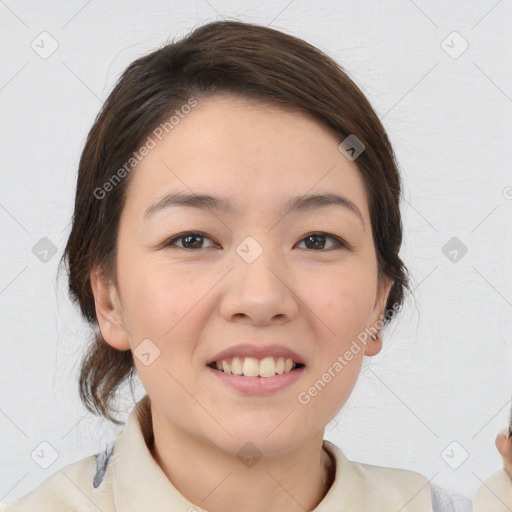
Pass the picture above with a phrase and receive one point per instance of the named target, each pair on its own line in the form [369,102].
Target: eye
[194,240]
[317,241]
[191,240]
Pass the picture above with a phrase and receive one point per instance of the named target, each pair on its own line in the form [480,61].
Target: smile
[255,385]
[253,367]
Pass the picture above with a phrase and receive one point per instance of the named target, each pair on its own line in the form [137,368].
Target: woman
[236,243]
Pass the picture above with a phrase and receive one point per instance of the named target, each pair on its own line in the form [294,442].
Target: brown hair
[244,59]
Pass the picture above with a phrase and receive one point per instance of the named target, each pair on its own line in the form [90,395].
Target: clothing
[126,478]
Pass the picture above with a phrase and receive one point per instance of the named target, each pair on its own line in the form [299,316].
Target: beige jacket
[126,478]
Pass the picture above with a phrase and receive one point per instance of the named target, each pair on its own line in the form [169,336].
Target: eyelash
[170,242]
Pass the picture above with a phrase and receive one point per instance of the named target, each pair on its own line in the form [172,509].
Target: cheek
[159,301]
[161,307]
[343,301]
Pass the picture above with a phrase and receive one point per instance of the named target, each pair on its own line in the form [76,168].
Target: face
[253,274]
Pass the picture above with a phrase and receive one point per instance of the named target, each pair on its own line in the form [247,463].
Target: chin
[269,441]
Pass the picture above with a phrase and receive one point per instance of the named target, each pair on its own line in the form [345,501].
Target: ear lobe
[109,311]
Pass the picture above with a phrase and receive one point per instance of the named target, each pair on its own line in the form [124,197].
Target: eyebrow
[300,203]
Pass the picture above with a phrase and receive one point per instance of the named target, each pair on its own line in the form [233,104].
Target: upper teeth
[252,367]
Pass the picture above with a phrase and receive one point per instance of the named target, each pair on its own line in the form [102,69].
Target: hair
[237,58]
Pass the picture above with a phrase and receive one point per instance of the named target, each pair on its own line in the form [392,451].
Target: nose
[259,293]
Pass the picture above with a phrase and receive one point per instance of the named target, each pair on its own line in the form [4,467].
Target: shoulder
[399,489]
[384,477]
[71,488]
[407,483]
[495,494]
[380,488]
[414,491]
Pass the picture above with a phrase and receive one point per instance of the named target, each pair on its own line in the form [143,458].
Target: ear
[109,311]
[373,347]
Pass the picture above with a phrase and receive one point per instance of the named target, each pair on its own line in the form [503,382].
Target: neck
[218,481]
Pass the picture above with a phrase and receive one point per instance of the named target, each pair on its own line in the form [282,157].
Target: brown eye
[190,240]
[317,241]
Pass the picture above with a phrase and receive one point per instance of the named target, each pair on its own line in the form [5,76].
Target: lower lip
[258,385]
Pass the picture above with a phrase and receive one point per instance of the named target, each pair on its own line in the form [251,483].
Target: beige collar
[139,484]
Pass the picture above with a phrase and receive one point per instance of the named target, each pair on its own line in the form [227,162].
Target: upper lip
[257,351]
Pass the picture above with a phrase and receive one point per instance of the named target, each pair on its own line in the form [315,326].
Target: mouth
[253,367]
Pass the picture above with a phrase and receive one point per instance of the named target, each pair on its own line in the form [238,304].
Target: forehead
[248,151]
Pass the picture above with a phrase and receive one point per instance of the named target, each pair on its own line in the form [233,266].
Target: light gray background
[445,373]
